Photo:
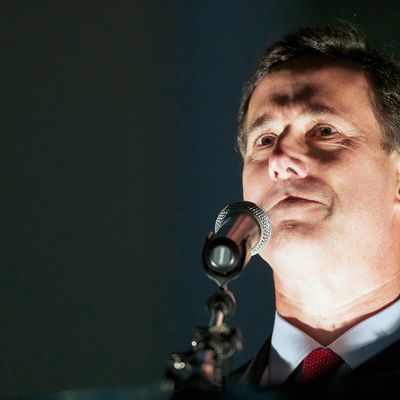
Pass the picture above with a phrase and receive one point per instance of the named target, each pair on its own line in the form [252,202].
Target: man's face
[314,159]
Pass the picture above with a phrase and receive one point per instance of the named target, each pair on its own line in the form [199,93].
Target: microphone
[241,231]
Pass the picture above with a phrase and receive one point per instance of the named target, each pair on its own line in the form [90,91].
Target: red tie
[319,363]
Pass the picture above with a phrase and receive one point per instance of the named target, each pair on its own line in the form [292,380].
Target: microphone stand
[199,371]
[241,230]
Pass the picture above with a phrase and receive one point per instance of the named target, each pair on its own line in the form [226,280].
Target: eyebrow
[312,109]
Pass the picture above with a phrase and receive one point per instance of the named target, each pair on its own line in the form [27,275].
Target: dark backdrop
[117,153]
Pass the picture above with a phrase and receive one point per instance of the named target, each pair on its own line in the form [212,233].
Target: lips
[293,200]
[286,201]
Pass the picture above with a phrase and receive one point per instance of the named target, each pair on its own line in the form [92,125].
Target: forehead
[309,80]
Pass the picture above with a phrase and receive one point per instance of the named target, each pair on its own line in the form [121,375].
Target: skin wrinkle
[309,91]
[318,111]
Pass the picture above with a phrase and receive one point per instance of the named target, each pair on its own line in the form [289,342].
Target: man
[319,134]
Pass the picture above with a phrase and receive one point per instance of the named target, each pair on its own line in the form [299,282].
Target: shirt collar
[289,345]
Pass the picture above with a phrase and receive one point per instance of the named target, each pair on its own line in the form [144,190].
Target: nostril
[284,167]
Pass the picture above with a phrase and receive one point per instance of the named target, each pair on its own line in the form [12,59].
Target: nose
[285,161]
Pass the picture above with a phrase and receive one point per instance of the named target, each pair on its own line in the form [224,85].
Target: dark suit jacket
[377,378]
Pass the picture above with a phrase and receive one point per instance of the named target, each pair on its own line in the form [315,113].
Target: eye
[326,131]
[265,141]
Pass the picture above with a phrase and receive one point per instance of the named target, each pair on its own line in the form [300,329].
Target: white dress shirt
[289,345]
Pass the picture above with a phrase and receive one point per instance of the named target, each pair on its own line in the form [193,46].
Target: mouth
[293,201]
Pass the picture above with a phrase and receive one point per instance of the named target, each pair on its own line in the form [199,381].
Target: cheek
[366,191]
[255,183]
[246,184]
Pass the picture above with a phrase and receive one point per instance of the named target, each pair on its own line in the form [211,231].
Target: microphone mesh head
[259,215]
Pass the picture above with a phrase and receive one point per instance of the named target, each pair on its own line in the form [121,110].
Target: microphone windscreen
[259,215]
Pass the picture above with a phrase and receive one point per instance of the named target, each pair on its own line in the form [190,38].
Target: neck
[326,317]
[326,286]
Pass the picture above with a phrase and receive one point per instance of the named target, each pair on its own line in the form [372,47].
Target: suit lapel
[385,363]
[255,368]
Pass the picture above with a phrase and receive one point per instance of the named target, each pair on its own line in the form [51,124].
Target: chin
[294,240]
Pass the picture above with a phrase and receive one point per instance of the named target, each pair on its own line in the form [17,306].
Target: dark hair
[344,41]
